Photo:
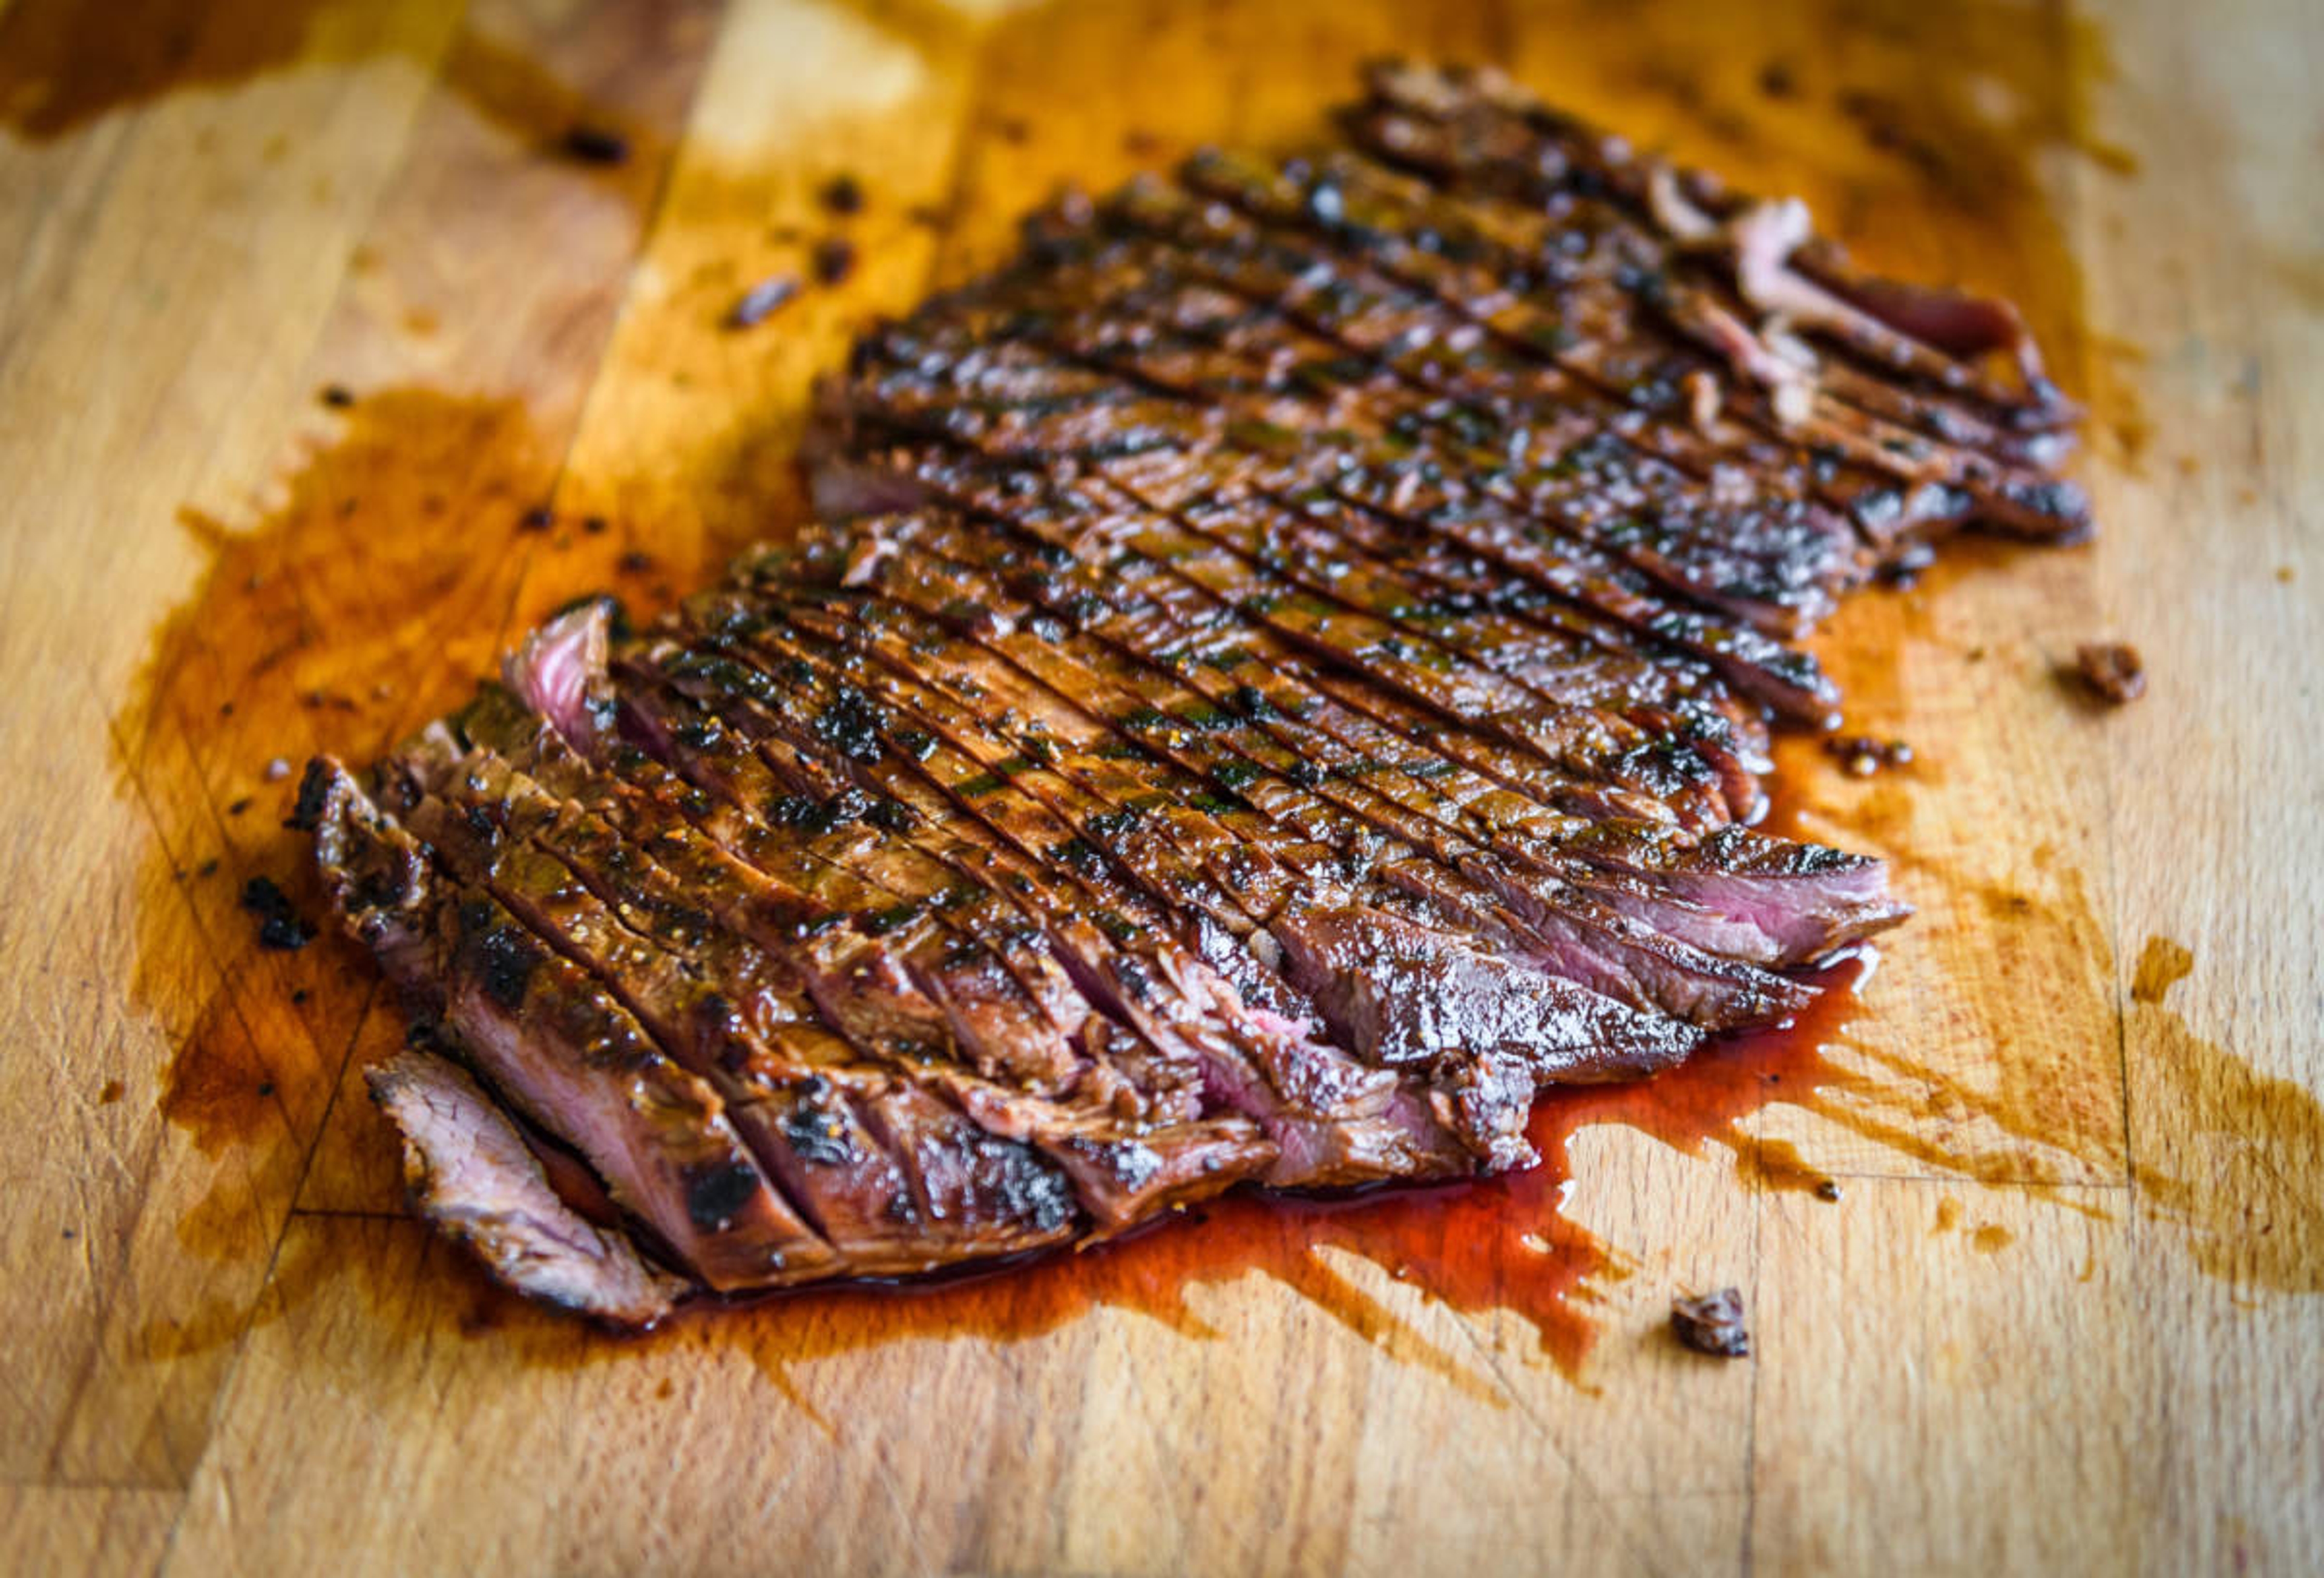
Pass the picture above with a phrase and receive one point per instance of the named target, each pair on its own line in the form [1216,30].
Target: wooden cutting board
[304,311]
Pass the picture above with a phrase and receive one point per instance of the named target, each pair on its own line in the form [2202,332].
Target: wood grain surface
[2068,1312]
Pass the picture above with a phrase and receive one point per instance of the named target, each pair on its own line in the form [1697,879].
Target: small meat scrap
[835,260]
[844,195]
[1863,755]
[2112,670]
[279,925]
[597,145]
[1712,1324]
[760,301]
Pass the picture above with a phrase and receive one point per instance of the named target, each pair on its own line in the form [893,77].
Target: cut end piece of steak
[470,1173]
[568,1055]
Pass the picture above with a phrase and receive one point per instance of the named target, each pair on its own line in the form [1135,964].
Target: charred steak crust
[1284,677]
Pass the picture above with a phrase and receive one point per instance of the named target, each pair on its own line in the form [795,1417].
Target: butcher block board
[2065,1314]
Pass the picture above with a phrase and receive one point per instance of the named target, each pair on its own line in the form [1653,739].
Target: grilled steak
[1283,677]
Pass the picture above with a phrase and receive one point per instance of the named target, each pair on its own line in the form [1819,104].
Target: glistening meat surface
[1283,677]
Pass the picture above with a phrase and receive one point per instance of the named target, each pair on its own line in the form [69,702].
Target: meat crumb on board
[835,260]
[844,195]
[1712,1324]
[279,925]
[2112,670]
[597,145]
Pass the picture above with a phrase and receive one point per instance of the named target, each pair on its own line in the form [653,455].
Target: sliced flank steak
[1283,675]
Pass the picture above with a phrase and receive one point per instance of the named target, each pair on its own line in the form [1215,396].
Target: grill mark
[1152,713]
[1337,826]
[1056,1131]
[1259,669]
[789,917]
[1225,721]
[1034,822]
[898,940]
[1129,984]
[1518,719]
[1597,317]
[1479,895]
[1498,231]
[1750,986]
[1196,820]
[1310,326]
[1507,409]
[1422,503]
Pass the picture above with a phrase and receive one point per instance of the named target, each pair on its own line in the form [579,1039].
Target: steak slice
[1286,674]
[1329,1121]
[1487,132]
[1179,460]
[1265,1062]
[471,1174]
[1063,723]
[1598,948]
